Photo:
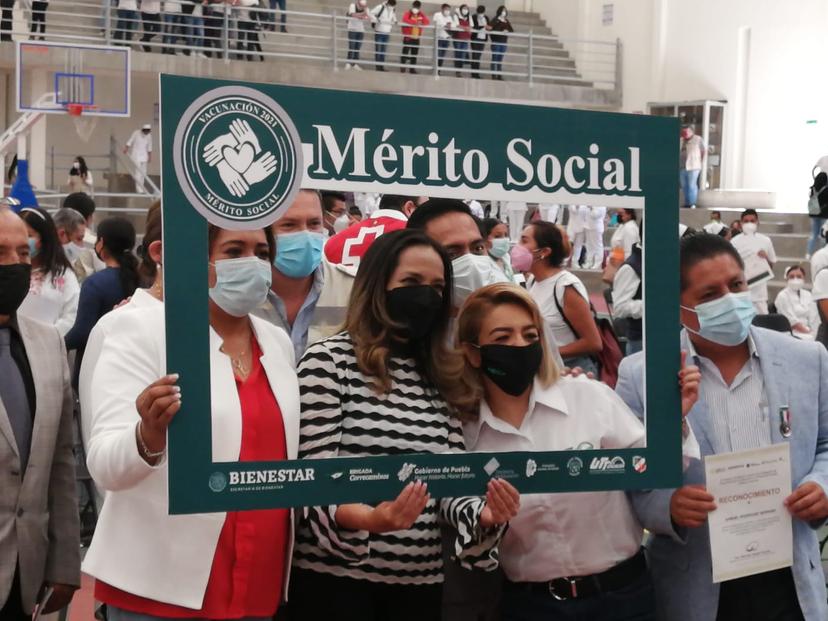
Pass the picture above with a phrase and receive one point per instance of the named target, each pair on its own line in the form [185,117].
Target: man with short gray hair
[71,228]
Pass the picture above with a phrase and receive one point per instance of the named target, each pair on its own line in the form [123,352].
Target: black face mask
[416,308]
[14,286]
[510,367]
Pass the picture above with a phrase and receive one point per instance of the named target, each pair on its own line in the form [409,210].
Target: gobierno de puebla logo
[237,157]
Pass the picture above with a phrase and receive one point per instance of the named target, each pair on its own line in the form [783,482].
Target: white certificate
[757,269]
[750,530]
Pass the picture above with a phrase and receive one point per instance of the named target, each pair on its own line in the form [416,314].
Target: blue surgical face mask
[298,254]
[33,249]
[241,285]
[500,247]
[726,320]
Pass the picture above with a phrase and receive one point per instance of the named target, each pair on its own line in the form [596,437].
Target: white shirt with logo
[577,534]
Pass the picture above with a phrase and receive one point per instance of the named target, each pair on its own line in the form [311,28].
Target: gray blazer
[39,524]
[796,375]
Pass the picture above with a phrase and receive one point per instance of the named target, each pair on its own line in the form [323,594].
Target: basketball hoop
[74,109]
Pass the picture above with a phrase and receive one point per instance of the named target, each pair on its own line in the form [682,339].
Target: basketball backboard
[93,78]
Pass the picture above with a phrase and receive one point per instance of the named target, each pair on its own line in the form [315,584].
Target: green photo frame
[365,142]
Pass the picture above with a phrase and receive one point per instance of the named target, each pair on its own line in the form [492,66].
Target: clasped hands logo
[238,158]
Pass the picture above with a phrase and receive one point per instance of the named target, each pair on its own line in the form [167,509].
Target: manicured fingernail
[173,377]
[176,388]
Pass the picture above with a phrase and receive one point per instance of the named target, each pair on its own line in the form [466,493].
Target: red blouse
[248,571]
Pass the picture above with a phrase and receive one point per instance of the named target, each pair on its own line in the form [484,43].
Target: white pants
[139,176]
[577,246]
[595,248]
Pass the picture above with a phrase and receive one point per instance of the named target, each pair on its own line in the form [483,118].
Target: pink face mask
[521,259]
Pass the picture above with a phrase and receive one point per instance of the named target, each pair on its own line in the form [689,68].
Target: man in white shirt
[752,244]
[139,149]
[576,230]
[691,158]
[385,16]
[442,26]
[715,226]
[594,237]
[627,302]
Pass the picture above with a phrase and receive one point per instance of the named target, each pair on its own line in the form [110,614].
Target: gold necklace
[237,362]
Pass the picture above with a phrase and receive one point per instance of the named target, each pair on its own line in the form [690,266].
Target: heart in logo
[239,159]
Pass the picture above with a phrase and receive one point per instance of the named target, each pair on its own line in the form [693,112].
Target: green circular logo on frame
[218,481]
[238,157]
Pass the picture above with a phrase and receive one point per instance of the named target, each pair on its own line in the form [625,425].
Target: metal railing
[254,34]
[105,169]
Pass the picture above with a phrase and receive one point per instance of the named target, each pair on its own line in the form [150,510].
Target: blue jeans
[197,32]
[689,180]
[380,45]
[282,9]
[354,44]
[442,50]
[498,52]
[117,614]
[585,363]
[127,23]
[461,53]
[173,28]
[816,241]
[633,603]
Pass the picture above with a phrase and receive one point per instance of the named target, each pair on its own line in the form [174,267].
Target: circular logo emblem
[238,157]
[218,481]
[574,466]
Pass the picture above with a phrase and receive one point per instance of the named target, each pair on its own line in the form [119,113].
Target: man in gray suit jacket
[758,388]
[39,526]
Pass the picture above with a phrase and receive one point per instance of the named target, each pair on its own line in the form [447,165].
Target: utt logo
[605,465]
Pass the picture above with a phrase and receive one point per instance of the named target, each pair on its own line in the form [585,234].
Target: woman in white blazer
[147,563]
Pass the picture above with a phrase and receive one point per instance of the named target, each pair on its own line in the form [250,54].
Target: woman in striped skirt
[389,385]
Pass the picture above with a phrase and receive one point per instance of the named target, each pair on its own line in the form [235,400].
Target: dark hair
[434,208]
[445,6]
[749,212]
[794,268]
[12,169]
[371,328]
[118,237]
[416,4]
[82,168]
[152,233]
[488,225]
[703,246]
[328,199]
[213,231]
[548,235]
[481,9]
[51,256]
[394,201]
[631,213]
[500,11]
[80,202]
[355,211]
[717,212]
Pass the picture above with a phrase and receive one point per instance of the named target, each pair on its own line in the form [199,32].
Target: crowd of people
[413,328]
[202,28]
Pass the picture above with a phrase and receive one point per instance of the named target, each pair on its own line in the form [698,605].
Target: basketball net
[84,124]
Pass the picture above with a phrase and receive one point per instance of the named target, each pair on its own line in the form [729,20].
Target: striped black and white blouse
[344,416]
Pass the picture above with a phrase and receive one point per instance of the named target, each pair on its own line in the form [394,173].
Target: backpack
[610,355]
[818,201]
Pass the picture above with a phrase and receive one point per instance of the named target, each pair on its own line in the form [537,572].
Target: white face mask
[503,16]
[72,251]
[341,223]
[750,228]
[447,13]
[472,272]
[241,285]
[76,165]
[464,12]
[795,284]
[415,11]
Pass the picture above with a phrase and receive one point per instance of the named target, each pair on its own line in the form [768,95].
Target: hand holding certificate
[750,530]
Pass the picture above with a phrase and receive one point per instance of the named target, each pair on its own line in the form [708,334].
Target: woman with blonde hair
[563,552]
[388,385]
